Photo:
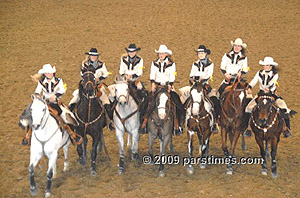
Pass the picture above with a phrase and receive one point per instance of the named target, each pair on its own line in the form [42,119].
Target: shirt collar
[52,80]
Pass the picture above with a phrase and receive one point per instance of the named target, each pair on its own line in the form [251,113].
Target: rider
[267,78]
[52,89]
[131,66]
[202,70]
[163,72]
[101,73]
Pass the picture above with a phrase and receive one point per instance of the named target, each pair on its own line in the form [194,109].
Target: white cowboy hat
[47,69]
[239,41]
[268,61]
[163,49]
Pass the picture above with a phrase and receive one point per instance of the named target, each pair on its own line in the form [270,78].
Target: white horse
[126,119]
[47,138]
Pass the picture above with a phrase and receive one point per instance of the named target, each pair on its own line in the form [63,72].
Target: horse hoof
[264,172]
[202,166]
[47,194]
[229,171]
[134,156]
[82,161]
[121,171]
[93,173]
[161,174]
[33,191]
[66,169]
[190,170]
[274,175]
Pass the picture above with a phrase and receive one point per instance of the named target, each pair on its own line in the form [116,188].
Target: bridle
[86,83]
[269,126]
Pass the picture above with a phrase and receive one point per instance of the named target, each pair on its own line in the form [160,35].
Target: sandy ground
[59,32]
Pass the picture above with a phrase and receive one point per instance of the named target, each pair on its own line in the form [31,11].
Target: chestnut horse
[267,123]
[232,117]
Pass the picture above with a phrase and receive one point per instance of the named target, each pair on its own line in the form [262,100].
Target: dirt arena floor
[59,32]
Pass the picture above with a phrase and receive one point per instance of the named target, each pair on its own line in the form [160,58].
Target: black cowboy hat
[202,48]
[132,48]
[93,52]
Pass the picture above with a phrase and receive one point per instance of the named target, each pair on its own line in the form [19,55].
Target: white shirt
[163,72]
[100,70]
[232,63]
[131,68]
[203,71]
[265,79]
[55,86]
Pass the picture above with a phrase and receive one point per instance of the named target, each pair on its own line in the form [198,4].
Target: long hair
[37,77]
[243,51]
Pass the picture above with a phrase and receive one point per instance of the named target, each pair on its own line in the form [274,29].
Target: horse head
[121,90]
[88,83]
[238,95]
[39,110]
[163,103]
[197,95]
[264,109]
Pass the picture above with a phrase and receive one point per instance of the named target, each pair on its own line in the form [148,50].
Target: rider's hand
[249,91]
[153,87]
[227,75]
[128,76]
[239,74]
[52,98]
[266,90]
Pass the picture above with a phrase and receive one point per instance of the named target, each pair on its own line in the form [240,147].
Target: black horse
[91,116]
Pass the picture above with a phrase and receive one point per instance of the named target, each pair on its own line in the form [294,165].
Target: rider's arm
[152,73]
[38,89]
[122,67]
[245,68]
[172,74]
[254,81]
[61,90]
[139,69]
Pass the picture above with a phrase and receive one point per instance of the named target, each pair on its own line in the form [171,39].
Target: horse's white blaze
[197,98]
[162,105]
[265,101]
[241,96]
[38,109]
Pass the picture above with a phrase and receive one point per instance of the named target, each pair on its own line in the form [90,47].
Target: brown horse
[267,124]
[232,118]
[199,117]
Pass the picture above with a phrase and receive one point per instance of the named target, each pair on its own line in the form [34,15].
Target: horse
[199,119]
[267,123]
[160,124]
[126,118]
[232,117]
[47,138]
[90,113]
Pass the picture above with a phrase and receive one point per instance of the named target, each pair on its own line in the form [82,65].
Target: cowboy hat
[92,52]
[47,69]
[132,48]
[163,49]
[202,48]
[268,61]
[239,42]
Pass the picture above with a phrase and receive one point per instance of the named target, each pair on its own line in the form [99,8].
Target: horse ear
[44,97]
[33,96]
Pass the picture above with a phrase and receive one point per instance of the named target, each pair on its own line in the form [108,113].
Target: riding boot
[248,130]
[144,119]
[287,133]
[217,109]
[27,138]
[110,116]
[72,106]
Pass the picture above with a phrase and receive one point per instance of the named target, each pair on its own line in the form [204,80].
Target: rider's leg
[212,94]
[105,101]
[248,110]
[180,112]
[285,113]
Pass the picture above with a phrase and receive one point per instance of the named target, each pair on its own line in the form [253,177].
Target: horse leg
[135,144]
[236,135]
[35,156]
[190,168]
[80,152]
[96,140]
[274,143]
[151,141]
[129,145]
[99,147]
[267,148]
[171,146]
[204,148]
[224,141]
[244,147]
[260,142]
[51,166]
[66,148]
[163,143]
[120,138]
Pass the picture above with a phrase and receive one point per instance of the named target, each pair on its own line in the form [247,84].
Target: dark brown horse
[267,124]
[199,117]
[91,116]
[232,117]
